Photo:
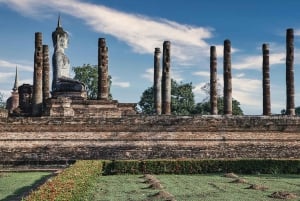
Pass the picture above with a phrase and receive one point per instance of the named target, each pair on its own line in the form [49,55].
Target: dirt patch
[257,187]
[239,181]
[217,187]
[283,195]
[154,183]
[231,175]
[163,195]
[3,174]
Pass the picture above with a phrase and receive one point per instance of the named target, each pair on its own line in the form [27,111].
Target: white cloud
[148,74]
[4,77]
[140,32]
[12,65]
[121,84]
[255,62]
[202,73]
[247,91]
[177,75]
[117,83]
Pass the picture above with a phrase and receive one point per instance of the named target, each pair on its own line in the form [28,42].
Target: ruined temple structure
[73,127]
[266,81]
[12,102]
[166,79]
[290,90]
[68,97]
[213,81]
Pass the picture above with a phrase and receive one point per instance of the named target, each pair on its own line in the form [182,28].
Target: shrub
[245,166]
[69,185]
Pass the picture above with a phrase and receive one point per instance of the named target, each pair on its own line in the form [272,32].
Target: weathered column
[157,82]
[213,81]
[166,79]
[102,70]
[46,70]
[290,90]
[266,81]
[37,98]
[227,78]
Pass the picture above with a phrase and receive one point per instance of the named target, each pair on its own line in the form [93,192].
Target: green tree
[204,107]
[182,99]
[2,102]
[297,111]
[88,74]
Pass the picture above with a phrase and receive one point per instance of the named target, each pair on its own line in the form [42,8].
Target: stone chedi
[62,84]
[12,102]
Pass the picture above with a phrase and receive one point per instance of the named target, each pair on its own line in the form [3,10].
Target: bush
[70,185]
[245,166]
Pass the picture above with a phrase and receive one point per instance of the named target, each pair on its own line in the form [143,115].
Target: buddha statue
[61,65]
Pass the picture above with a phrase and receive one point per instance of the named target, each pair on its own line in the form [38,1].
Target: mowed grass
[14,184]
[218,187]
[212,187]
[119,188]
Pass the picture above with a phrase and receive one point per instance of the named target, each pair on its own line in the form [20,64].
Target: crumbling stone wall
[51,140]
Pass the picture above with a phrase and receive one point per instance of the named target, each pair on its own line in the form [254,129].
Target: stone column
[213,81]
[102,70]
[227,78]
[290,90]
[37,98]
[266,81]
[157,82]
[166,79]
[46,70]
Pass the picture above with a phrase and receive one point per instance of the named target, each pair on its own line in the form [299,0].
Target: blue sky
[133,28]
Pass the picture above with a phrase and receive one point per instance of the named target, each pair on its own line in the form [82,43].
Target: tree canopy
[2,101]
[182,99]
[204,107]
[88,74]
[183,103]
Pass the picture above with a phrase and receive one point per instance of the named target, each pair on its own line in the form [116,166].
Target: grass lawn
[13,184]
[120,188]
[217,187]
[212,187]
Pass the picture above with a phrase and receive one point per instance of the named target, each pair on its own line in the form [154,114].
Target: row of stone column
[41,89]
[162,84]
[290,90]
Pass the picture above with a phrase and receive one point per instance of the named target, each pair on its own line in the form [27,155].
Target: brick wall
[52,140]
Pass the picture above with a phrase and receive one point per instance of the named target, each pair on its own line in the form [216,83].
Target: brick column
[266,81]
[213,81]
[46,71]
[166,79]
[290,90]
[102,70]
[227,78]
[157,82]
[37,98]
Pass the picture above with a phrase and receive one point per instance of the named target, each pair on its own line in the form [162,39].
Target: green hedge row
[246,166]
[69,185]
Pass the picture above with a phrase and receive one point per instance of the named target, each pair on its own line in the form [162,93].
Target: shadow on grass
[24,191]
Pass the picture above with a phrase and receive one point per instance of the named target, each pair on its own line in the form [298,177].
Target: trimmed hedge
[69,185]
[246,166]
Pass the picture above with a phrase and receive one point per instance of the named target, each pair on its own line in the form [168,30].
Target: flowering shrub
[69,185]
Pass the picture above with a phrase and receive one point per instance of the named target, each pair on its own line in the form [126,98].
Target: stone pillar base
[70,94]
